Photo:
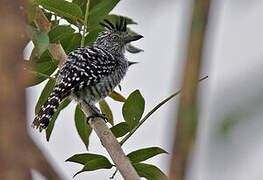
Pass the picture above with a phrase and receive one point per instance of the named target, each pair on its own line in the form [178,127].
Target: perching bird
[90,73]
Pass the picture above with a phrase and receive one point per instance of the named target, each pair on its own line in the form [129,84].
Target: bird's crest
[120,25]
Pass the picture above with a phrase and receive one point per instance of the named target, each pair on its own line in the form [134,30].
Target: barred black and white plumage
[90,73]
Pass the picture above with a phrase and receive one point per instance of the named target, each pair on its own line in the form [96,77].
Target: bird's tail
[47,111]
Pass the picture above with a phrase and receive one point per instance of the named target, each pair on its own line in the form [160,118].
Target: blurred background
[229,142]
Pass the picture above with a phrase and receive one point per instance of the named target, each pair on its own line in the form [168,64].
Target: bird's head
[116,37]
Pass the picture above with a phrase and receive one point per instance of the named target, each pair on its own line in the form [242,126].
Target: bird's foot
[99,115]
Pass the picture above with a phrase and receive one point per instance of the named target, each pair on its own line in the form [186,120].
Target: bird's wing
[83,67]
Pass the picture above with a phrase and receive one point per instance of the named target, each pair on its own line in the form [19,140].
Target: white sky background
[233,61]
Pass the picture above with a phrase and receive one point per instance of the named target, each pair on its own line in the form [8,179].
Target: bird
[90,73]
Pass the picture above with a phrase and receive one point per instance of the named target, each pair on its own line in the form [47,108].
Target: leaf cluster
[92,162]
[41,65]
[132,111]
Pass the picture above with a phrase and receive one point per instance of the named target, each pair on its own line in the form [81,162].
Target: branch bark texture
[107,138]
[187,117]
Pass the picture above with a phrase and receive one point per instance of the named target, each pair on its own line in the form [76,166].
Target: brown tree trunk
[17,151]
[187,113]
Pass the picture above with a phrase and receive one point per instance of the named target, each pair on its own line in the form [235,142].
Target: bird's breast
[98,91]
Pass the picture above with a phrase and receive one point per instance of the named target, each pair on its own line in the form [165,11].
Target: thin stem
[39,74]
[151,112]
[113,175]
[85,24]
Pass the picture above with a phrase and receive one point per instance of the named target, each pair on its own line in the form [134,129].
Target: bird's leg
[95,113]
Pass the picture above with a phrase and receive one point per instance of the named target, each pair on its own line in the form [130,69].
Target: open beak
[134,37]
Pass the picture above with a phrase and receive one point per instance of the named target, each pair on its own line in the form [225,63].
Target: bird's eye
[115,37]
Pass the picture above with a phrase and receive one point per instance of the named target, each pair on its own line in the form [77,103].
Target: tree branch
[56,50]
[108,140]
[85,25]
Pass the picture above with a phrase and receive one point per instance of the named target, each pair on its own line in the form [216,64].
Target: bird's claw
[99,115]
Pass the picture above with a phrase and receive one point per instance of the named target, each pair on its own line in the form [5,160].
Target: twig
[113,175]
[55,50]
[108,140]
[85,28]
[151,112]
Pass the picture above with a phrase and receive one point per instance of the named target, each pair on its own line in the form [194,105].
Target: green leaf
[83,128]
[133,108]
[50,127]
[84,158]
[31,11]
[44,95]
[99,10]
[59,32]
[117,97]
[90,161]
[41,41]
[144,154]
[96,164]
[82,4]
[150,172]
[43,64]
[105,109]
[92,35]
[102,163]
[71,42]
[120,129]
[62,8]
[30,30]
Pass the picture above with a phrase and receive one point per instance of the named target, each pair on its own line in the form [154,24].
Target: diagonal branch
[55,50]
[108,140]
[151,112]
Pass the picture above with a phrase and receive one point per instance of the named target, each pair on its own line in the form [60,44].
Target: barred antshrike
[90,73]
